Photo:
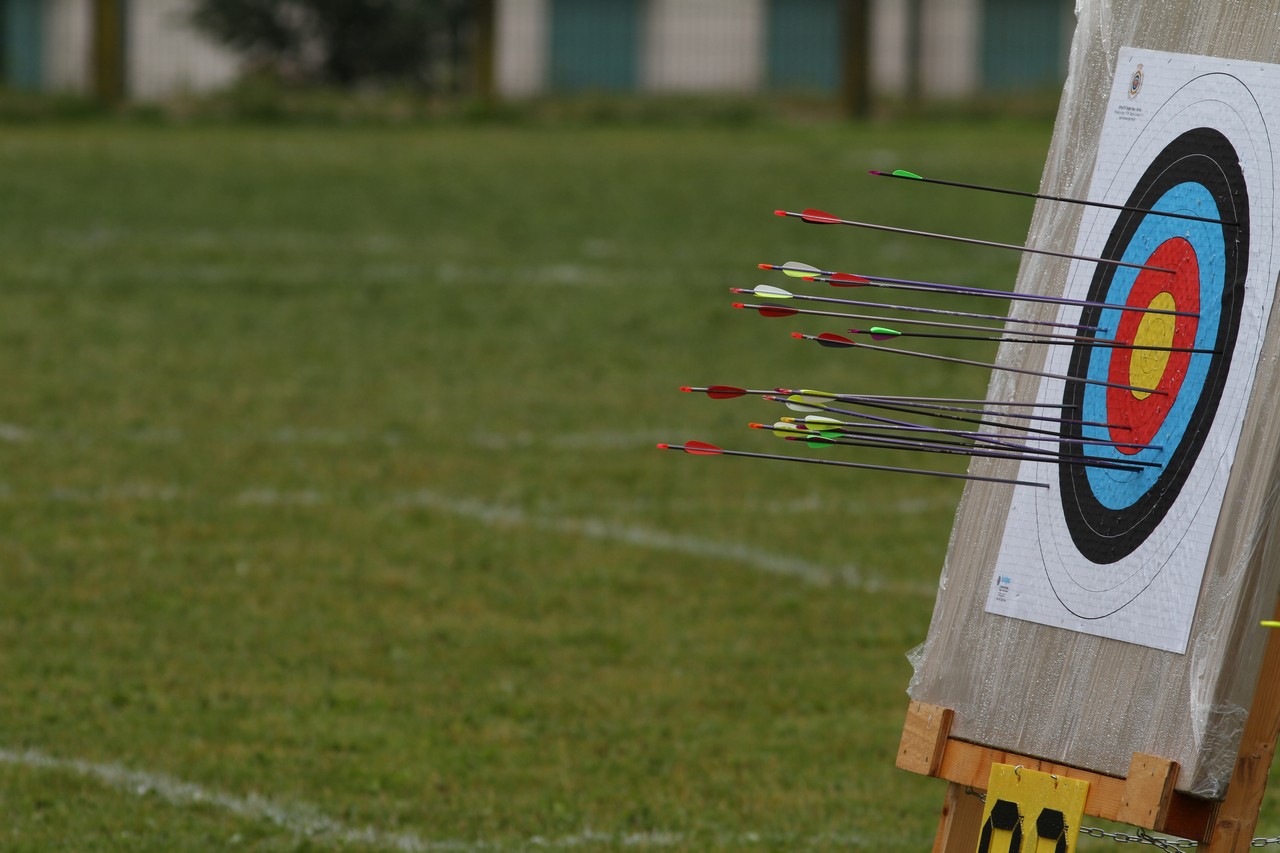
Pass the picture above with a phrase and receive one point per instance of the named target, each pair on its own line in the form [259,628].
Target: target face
[1163,389]
[1111,513]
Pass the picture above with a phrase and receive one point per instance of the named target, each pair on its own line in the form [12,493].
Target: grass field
[333,518]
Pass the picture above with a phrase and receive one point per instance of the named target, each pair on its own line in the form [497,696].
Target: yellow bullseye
[1147,366]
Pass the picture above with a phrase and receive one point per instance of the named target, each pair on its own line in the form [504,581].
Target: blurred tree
[341,42]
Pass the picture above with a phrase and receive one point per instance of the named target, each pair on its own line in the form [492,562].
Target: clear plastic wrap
[1066,696]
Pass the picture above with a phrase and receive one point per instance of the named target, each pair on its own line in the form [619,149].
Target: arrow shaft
[869,467]
[1048,340]
[926,408]
[890,443]
[986,438]
[933,324]
[1046,197]
[873,226]
[957,418]
[831,300]
[989,293]
[902,398]
[1022,370]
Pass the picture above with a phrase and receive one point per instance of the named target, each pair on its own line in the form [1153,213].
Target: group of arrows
[1009,430]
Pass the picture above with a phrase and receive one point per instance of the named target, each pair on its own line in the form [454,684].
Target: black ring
[1204,156]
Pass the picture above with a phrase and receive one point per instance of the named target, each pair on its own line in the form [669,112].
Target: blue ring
[1120,489]
[1110,514]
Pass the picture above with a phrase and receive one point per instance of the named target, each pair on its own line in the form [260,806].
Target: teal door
[1025,43]
[21,44]
[595,44]
[803,48]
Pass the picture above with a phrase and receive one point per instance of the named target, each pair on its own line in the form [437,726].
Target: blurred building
[142,49]
[915,47]
[146,49]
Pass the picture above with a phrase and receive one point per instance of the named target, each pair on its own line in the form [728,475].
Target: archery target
[1120,552]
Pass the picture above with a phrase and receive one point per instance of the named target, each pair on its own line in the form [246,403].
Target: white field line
[297,819]
[302,819]
[777,564]
[307,821]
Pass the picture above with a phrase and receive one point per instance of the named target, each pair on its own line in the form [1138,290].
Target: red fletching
[776,311]
[724,392]
[702,448]
[820,217]
[828,339]
[845,279]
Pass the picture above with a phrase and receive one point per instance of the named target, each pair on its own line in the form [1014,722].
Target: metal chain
[1174,845]
[1142,837]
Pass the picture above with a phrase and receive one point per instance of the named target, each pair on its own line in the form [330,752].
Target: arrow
[821,217]
[827,339]
[722,392]
[855,280]
[809,406]
[801,404]
[910,405]
[901,398]
[912,176]
[924,408]
[790,432]
[768,291]
[702,448]
[844,279]
[881,333]
[787,311]
[906,426]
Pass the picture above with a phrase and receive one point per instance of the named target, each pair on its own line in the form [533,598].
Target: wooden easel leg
[960,823]
[1237,816]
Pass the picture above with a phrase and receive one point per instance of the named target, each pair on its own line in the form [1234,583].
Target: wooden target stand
[1146,797]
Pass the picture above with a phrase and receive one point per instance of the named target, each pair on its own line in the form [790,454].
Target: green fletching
[881,330]
[903,173]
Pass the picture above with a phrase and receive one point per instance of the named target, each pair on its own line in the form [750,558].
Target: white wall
[523,42]
[704,45]
[951,45]
[167,55]
[889,36]
[67,47]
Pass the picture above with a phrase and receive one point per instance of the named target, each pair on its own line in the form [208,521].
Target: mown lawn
[332,516]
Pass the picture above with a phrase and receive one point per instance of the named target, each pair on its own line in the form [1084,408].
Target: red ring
[1143,415]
